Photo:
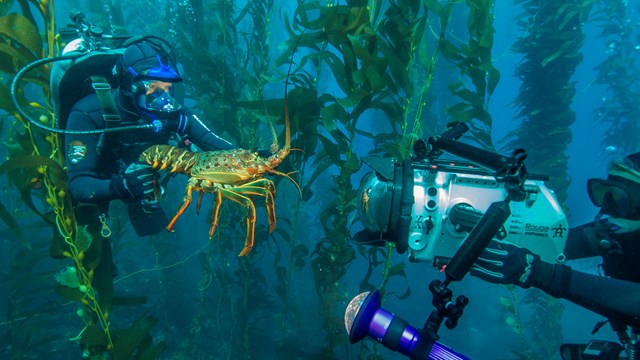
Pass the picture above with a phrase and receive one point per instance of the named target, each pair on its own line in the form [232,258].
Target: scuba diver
[104,167]
[614,235]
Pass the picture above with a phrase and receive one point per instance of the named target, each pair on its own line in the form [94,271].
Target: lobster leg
[199,202]
[192,184]
[216,211]
[266,188]
[251,216]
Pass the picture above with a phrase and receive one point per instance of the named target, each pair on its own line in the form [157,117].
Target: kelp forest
[356,79]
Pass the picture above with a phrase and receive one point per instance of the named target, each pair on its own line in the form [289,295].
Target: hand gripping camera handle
[477,240]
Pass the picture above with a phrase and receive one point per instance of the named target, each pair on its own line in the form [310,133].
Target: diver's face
[159,86]
[156,96]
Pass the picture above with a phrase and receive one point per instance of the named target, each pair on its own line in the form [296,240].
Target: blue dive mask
[155,96]
[616,196]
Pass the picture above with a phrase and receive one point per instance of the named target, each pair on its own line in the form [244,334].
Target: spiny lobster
[232,174]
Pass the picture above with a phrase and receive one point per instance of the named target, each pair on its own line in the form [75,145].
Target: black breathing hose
[31,66]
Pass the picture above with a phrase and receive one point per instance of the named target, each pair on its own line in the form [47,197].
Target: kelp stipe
[620,73]
[551,44]
[43,154]
[36,160]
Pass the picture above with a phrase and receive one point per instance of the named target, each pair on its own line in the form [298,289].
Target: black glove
[150,205]
[504,263]
[136,183]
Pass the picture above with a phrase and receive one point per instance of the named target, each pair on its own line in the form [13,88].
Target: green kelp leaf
[574,13]
[374,78]
[299,264]
[20,30]
[99,259]
[126,341]
[95,337]
[457,109]
[69,293]
[556,54]
[466,116]
[22,170]
[450,51]
[83,239]
[151,351]
[13,226]
[322,162]
[300,250]
[396,66]
[343,257]
[434,6]
[352,164]
[338,69]
[494,79]
[398,270]
[18,144]
[11,59]
[329,117]
[56,171]
[470,96]
[354,98]
[332,149]
[68,277]
[5,99]
[479,80]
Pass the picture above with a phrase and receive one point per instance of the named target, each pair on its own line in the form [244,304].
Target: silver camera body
[448,200]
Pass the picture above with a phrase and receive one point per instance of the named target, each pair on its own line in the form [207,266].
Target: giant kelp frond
[551,46]
[620,73]
[21,44]
[474,60]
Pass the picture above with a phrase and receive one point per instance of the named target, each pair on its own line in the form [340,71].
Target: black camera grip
[477,240]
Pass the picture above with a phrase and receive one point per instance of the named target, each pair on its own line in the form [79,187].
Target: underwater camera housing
[429,206]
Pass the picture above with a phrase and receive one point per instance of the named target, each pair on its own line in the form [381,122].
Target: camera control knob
[428,224]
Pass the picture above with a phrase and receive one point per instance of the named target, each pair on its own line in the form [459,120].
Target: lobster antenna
[286,102]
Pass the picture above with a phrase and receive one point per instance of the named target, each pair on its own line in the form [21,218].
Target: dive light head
[364,317]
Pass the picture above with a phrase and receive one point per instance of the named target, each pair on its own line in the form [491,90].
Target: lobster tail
[163,156]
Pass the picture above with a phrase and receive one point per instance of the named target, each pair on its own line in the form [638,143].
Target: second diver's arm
[609,297]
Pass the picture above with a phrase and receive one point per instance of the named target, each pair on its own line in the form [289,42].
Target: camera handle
[445,309]
[511,172]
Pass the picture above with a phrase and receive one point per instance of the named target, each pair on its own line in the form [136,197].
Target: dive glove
[136,182]
[623,226]
[504,263]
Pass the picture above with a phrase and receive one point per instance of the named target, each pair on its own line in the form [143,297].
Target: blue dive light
[365,317]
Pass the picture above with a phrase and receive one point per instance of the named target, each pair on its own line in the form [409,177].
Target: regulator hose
[14,97]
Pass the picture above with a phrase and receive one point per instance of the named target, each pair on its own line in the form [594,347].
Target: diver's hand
[150,205]
[504,263]
[623,226]
[136,183]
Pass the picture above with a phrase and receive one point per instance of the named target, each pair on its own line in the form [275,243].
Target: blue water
[210,304]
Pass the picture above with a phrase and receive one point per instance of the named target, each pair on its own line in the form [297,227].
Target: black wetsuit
[616,295]
[94,160]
